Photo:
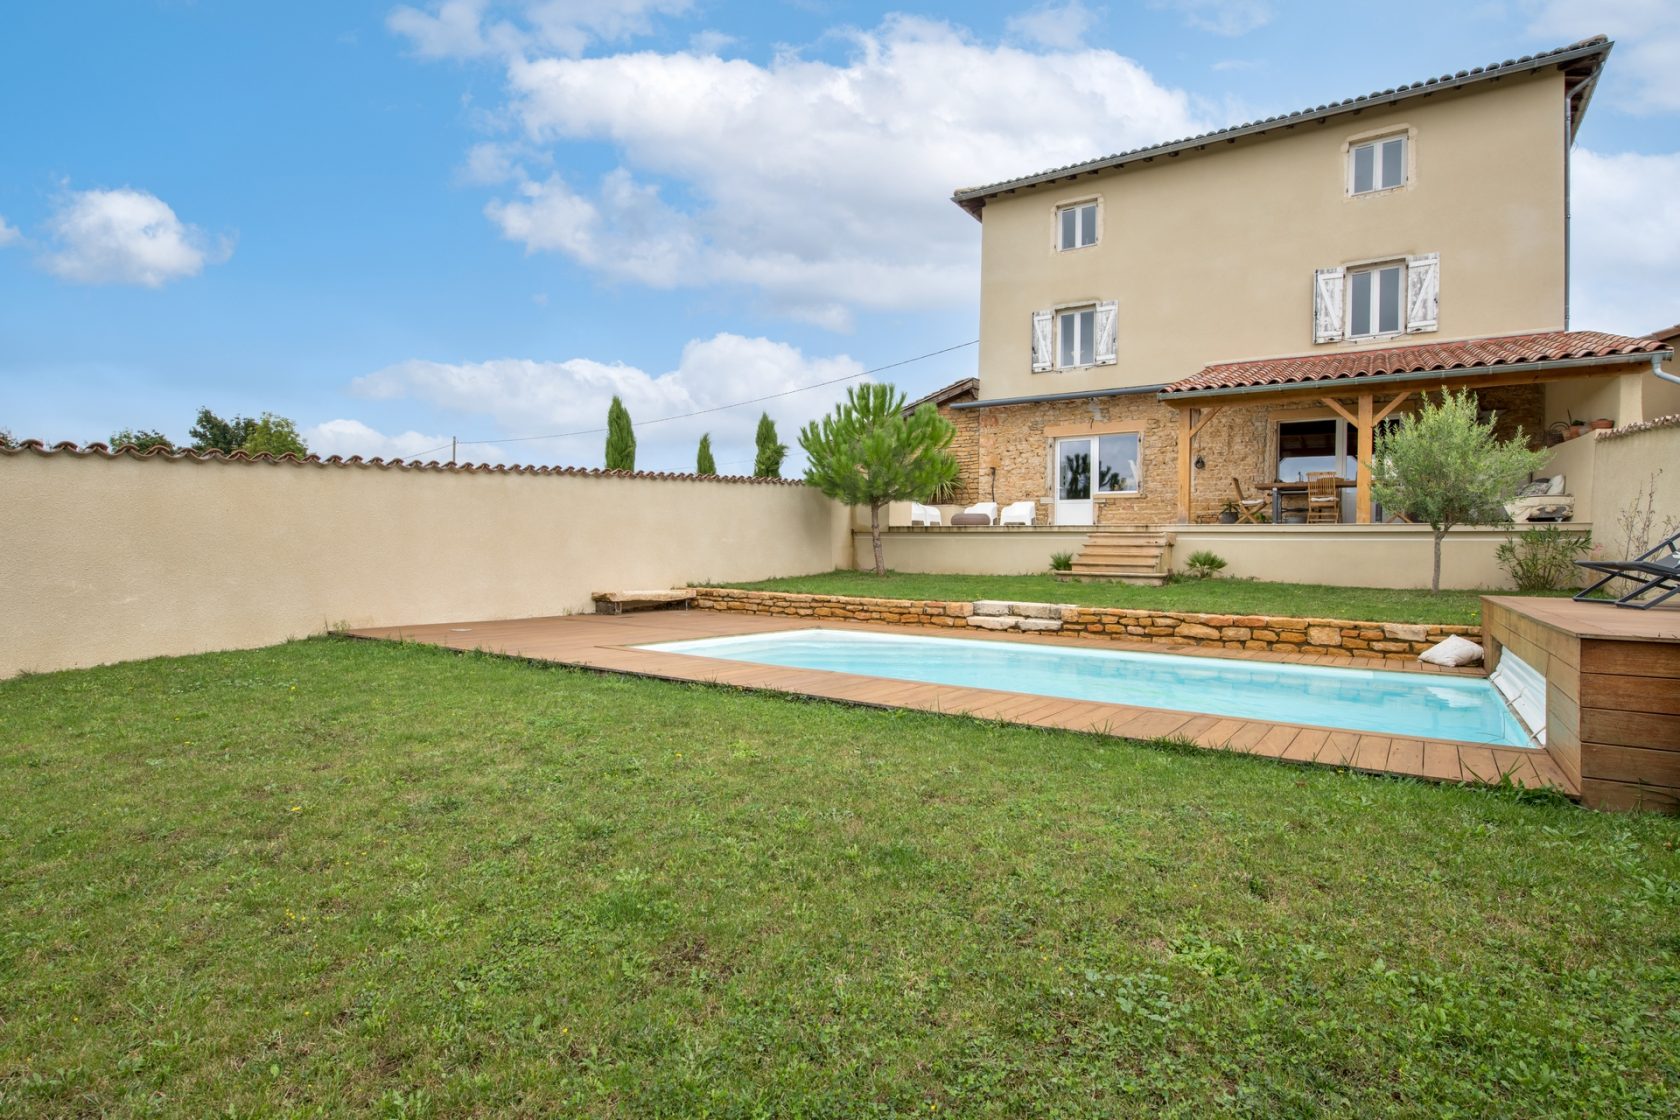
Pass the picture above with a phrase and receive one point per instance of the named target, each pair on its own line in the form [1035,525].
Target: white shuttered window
[1042,354]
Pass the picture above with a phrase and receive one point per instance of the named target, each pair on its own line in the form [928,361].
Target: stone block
[1236,633]
[1039,624]
[1405,631]
[992,622]
[1391,647]
[991,607]
[1037,610]
[1324,635]
[1196,630]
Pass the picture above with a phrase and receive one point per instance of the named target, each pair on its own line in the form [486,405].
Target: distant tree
[6,439]
[274,435]
[211,433]
[771,451]
[704,463]
[1443,465]
[143,438]
[621,438]
[870,453]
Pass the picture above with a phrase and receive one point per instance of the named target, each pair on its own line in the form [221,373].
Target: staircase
[1131,555]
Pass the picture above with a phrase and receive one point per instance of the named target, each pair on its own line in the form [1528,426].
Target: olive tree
[1443,465]
[870,452]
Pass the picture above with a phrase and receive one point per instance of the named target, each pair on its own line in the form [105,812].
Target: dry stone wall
[1389,641]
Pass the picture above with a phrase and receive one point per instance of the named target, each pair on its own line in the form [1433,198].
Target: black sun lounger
[1656,570]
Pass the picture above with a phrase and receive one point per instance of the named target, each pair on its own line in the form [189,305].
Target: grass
[1213,596]
[334,878]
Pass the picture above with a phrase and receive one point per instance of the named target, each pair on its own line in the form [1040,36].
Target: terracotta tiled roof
[1588,53]
[1429,357]
[968,386]
[128,450]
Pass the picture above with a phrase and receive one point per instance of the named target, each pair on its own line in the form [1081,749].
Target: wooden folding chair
[1247,507]
[1324,497]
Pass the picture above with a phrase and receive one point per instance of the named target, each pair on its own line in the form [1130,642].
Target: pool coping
[609,643]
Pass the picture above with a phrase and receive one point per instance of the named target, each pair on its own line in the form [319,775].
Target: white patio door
[1074,460]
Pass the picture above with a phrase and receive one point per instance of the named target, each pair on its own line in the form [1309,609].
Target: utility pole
[452,451]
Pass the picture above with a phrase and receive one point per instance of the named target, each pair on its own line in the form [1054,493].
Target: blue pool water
[1405,704]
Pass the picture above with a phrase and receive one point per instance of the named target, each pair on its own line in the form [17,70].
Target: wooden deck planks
[610,643]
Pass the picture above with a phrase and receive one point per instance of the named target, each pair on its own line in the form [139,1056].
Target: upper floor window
[1372,301]
[1076,226]
[1076,336]
[1377,166]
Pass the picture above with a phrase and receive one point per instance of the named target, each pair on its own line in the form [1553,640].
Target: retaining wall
[1391,641]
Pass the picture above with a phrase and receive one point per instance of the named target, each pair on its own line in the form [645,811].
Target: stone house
[1252,304]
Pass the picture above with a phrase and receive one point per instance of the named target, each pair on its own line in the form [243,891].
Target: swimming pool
[1429,706]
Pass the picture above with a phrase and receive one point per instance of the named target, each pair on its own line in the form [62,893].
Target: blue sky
[398,223]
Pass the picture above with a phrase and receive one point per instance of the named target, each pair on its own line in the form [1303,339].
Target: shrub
[621,438]
[1543,559]
[770,451]
[1061,561]
[1204,565]
[704,464]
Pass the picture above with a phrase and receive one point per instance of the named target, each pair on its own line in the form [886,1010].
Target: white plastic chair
[1018,513]
[990,509]
[924,515]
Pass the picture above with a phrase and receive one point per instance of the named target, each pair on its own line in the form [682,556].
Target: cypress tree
[771,451]
[705,464]
[621,438]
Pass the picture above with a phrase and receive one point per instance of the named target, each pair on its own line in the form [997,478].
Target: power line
[715,408]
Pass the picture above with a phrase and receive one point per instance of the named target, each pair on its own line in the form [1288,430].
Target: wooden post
[1362,492]
[1185,435]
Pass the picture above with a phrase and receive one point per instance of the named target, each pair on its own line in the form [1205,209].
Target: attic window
[1076,226]
[1377,166]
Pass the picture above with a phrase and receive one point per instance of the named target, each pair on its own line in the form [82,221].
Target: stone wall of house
[1234,444]
[1387,641]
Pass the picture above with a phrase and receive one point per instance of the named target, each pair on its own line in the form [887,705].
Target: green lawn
[1213,596]
[336,878]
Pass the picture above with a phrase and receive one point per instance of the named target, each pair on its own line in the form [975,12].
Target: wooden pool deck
[607,643]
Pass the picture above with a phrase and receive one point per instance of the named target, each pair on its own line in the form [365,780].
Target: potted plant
[1603,423]
[1228,513]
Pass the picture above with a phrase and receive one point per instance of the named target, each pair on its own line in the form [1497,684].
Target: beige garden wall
[1351,555]
[1635,467]
[1001,550]
[109,559]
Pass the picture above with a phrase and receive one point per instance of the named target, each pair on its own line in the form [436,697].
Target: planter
[1602,424]
[1227,518]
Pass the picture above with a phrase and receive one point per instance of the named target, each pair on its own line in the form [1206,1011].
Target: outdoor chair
[924,515]
[1018,513]
[988,510]
[1247,507]
[1655,570]
[1324,498]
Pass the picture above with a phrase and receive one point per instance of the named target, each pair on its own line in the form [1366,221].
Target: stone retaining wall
[1395,641]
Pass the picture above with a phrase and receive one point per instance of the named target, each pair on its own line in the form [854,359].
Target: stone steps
[1129,555]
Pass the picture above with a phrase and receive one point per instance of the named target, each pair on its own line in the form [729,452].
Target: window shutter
[1328,285]
[1423,293]
[1106,348]
[1042,353]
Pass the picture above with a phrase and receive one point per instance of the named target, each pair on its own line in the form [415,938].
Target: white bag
[1451,652]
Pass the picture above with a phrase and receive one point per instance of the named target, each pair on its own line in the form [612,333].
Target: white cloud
[1059,26]
[1624,239]
[126,236]
[526,397]
[352,437]
[823,185]
[1222,17]
[8,234]
[474,28]
[1647,34]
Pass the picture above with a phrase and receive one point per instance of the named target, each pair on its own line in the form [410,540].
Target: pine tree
[869,453]
[771,451]
[705,464]
[621,438]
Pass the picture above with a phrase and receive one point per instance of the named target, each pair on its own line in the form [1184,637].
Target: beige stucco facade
[1210,255]
[115,559]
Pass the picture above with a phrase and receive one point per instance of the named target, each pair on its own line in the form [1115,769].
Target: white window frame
[1096,467]
[1375,305]
[1376,143]
[1075,312]
[1078,224]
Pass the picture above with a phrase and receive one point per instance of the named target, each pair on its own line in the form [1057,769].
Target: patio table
[1279,488]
